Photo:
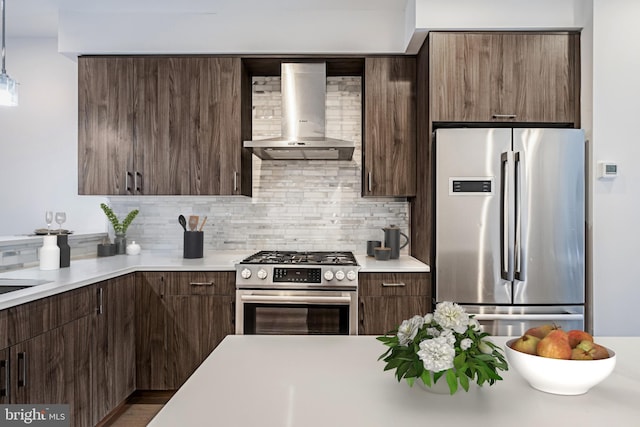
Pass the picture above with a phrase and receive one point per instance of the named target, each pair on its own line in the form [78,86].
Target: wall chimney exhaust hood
[304,88]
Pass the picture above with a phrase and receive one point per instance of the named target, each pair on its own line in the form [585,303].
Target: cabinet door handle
[4,370]
[361,315]
[100,294]
[138,185]
[22,369]
[504,116]
[233,314]
[128,179]
[235,182]
[202,283]
[369,181]
[393,285]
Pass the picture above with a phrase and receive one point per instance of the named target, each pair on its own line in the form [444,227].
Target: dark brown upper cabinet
[389,137]
[504,77]
[161,126]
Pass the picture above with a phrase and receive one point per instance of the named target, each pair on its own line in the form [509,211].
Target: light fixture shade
[8,91]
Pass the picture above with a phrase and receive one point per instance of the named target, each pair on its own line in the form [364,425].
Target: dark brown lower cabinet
[180,318]
[55,368]
[114,349]
[386,299]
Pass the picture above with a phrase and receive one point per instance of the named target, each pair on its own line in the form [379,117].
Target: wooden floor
[138,410]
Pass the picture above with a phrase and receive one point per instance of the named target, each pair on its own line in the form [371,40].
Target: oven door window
[296,319]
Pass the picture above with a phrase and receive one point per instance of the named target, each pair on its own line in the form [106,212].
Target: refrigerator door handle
[505,268]
[538,317]
[519,271]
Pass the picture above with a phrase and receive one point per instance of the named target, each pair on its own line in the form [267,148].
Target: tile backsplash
[296,205]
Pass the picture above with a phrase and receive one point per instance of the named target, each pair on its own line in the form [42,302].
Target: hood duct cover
[304,89]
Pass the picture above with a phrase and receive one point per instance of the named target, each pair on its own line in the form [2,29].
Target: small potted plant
[446,343]
[120,228]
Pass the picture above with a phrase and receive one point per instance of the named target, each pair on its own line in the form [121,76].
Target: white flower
[434,332]
[436,354]
[465,344]
[451,316]
[428,318]
[408,329]
[475,325]
[448,335]
[484,347]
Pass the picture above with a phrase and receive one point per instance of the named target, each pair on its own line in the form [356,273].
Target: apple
[541,331]
[526,344]
[595,351]
[576,335]
[555,345]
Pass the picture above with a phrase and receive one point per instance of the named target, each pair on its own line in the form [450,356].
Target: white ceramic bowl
[568,377]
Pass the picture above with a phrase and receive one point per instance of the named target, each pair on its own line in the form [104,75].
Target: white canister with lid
[50,253]
[133,248]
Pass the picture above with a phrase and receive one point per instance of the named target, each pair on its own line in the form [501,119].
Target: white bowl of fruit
[559,362]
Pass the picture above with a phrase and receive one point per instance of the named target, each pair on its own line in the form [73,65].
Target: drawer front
[394,284]
[200,283]
[29,320]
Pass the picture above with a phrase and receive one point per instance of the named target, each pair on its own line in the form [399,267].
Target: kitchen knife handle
[22,369]
[518,259]
[505,268]
[4,370]
[504,116]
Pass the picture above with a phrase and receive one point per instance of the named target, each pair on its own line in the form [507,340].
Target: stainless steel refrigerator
[510,225]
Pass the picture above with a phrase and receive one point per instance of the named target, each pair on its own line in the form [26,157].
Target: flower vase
[121,243]
[441,387]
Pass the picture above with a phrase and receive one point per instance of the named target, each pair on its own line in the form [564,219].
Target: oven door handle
[296,299]
[539,317]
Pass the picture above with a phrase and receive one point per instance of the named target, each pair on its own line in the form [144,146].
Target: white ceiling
[39,18]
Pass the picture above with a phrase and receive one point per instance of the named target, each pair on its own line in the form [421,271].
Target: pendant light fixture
[8,86]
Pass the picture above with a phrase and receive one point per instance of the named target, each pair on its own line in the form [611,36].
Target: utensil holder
[193,244]
[372,245]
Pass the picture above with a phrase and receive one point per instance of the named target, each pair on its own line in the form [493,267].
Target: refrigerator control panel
[475,186]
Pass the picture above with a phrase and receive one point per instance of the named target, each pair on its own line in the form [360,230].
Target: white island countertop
[319,381]
[83,272]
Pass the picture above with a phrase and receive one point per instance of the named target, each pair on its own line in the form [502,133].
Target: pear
[576,335]
[580,354]
[555,345]
[595,351]
[526,344]
[600,352]
[541,331]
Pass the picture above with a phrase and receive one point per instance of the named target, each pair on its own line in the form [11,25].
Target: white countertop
[309,381]
[84,272]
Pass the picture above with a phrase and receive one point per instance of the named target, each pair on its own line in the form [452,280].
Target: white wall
[38,143]
[616,204]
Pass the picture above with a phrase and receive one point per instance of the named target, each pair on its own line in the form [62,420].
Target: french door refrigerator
[510,225]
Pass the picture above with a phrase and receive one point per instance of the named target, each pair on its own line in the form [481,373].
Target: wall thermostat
[607,170]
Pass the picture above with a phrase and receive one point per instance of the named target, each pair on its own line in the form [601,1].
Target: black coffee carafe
[392,240]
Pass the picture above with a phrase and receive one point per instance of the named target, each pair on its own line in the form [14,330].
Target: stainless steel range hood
[304,89]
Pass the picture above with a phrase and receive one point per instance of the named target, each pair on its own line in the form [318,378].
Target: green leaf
[452,380]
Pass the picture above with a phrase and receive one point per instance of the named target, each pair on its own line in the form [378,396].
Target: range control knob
[339,274]
[352,275]
[328,275]
[262,274]
[245,273]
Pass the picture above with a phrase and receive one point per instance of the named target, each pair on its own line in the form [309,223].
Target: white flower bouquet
[447,342]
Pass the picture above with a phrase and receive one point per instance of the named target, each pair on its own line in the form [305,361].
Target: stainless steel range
[288,292]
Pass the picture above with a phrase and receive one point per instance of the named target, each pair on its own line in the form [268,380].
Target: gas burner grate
[301,258]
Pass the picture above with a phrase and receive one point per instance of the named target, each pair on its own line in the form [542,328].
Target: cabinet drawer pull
[22,369]
[504,116]
[202,283]
[393,285]
[99,309]
[4,370]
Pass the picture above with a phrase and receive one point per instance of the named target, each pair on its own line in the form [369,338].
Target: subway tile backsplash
[296,205]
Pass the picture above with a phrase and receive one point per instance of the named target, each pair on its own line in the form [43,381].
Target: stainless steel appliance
[286,292]
[304,91]
[510,225]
